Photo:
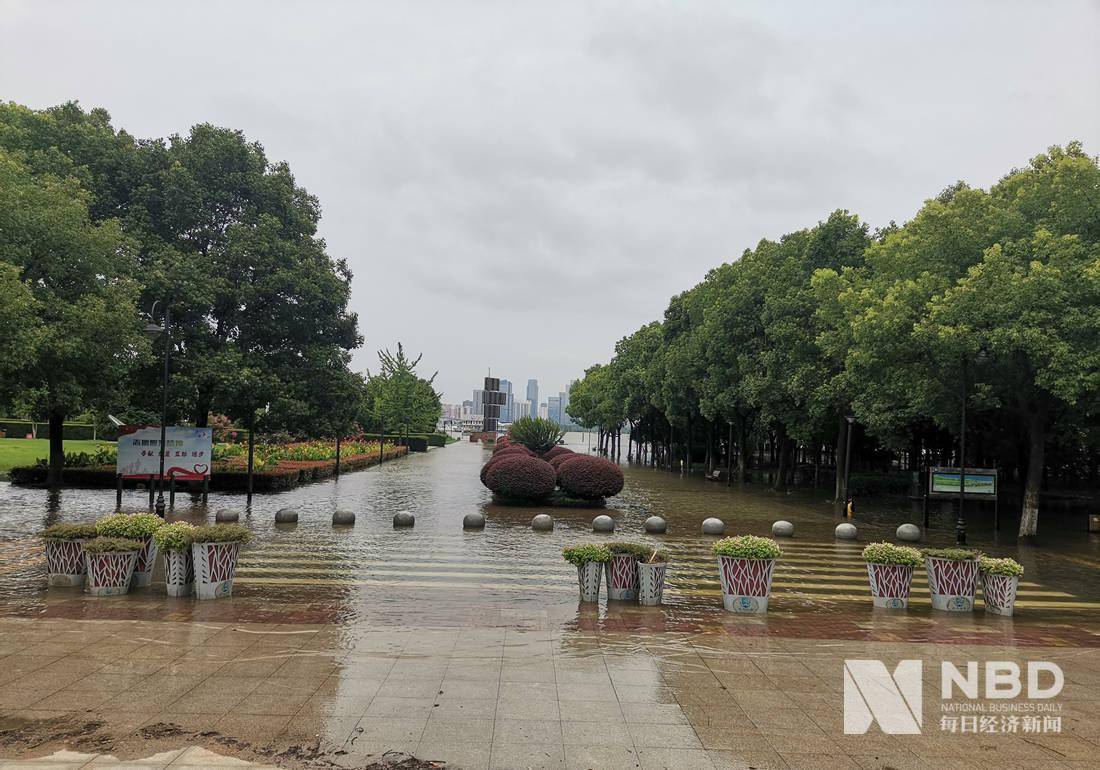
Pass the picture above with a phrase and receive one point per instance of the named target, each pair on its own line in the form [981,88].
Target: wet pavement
[471,646]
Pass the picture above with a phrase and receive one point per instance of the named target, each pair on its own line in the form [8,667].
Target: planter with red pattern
[999,592]
[65,562]
[952,583]
[651,582]
[215,566]
[109,574]
[890,585]
[622,577]
[179,572]
[746,583]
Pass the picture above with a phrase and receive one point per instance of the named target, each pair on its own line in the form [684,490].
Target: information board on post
[189,454]
[980,482]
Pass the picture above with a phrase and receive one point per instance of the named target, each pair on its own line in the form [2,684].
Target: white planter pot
[215,565]
[651,582]
[146,560]
[952,583]
[65,562]
[588,576]
[890,585]
[746,583]
[622,577]
[179,572]
[109,574]
[999,592]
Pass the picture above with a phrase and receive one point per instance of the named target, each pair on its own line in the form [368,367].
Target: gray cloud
[517,185]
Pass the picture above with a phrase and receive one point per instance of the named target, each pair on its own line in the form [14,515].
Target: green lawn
[25,451]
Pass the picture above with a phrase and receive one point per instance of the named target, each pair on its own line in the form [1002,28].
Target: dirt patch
[26,735]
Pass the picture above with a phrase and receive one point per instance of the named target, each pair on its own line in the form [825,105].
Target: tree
[399,398]
[78,274]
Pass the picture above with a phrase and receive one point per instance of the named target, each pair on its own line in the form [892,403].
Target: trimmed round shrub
[520,477]
[513,449]
[556,451]
[559,459]
[590,478]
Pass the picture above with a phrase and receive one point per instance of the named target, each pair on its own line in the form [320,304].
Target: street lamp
[849,419]
[153,330]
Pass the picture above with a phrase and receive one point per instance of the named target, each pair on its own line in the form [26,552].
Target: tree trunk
[57,447]
[202,410]
[1036,437]
[742,453]
[782,459]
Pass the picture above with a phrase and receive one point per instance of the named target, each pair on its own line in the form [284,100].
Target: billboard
[980,482]
[189,455]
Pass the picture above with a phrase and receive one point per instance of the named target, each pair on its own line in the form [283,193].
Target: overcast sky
[517,185]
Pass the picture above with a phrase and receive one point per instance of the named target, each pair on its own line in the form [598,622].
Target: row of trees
[96,226]
[992,296]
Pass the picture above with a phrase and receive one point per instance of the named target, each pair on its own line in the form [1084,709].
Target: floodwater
[438,574]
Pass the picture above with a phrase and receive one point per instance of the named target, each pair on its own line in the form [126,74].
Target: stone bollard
[603,524]
[227,515]
[713,526]
[783,528]
[286,516]
[403,519]
[543,522]
[473,521]
[343,518]
[655,525]
[845,531]
[910,533]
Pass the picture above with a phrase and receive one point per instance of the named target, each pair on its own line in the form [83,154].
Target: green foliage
[888,553]
[221,533]
[176,536]
[954,554]
[112,545]
[1005,567]
[397,398]
[535,433]
[747,547]
[133,526]
[637,550]
[579,555]
[69,532]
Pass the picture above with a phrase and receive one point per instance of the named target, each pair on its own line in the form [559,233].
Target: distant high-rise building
[553,408]
[520,408]
[479,401]
[533,396]
[563,399]
[506,414]
[544,411]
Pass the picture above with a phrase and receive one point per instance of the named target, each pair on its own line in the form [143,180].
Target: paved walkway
[298,695]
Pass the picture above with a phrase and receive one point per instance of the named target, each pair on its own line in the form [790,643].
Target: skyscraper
[506,408]
[553,408]
[533,396]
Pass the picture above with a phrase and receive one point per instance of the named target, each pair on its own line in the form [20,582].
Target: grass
[27,451]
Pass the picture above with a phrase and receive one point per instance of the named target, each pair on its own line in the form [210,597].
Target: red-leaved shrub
[555,451]
[589,478]
[513,449]
[557,460]
[520,477]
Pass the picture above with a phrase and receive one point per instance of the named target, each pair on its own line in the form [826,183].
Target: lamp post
[154,330]
[960,522]
[846,498]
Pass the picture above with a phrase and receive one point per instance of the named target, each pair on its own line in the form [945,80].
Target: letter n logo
[872,694]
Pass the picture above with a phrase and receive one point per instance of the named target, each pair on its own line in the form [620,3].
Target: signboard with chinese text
[980,482]
[189,455]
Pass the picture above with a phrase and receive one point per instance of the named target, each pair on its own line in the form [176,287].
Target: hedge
[288,475]
[78,431]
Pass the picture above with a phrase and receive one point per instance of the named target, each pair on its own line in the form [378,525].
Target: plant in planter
[110,563]
[621,570]
[215,549]
[651,577]
[139,527]
[65,553]
[589,560]
[890,570]
[1000,581]
[745,566]
[174,541]
[952,577]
